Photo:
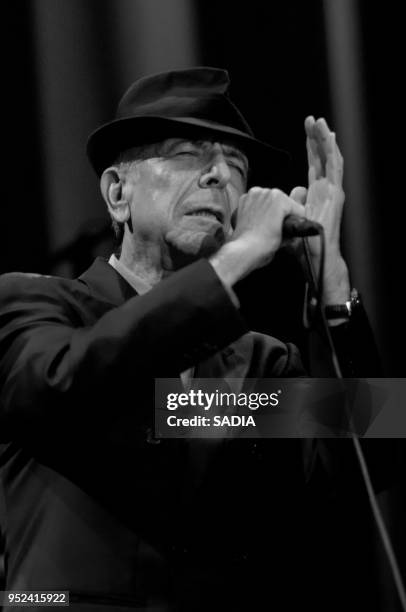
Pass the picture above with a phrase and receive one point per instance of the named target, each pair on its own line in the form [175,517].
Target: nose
[216,173]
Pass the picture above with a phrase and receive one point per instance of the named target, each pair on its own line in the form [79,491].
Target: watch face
[355,296]
[355,301]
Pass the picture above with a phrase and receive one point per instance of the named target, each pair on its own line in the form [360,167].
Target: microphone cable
[316,285]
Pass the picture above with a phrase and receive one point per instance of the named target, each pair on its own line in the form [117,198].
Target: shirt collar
[132,279]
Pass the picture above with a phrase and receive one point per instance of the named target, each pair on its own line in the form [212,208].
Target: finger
[296,208]
[313,156]
[309,125]
[322,128]
[314,160]
[299,194]
[334,162]
[289,206]
[322,134]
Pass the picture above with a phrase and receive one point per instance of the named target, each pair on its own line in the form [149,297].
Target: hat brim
[269,165]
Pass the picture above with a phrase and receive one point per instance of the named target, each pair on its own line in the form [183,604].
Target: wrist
[336,282]
[237,259]
[230,264]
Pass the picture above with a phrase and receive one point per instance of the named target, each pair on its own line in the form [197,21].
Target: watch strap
[346,310]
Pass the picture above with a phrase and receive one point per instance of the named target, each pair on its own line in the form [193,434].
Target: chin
[194,244]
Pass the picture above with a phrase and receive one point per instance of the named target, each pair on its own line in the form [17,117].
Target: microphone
[293,226]
[297,227]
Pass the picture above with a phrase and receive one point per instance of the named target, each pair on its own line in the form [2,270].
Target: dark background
[68,61]
[67,64]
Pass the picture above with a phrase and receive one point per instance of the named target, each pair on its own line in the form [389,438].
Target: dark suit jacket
[93,504]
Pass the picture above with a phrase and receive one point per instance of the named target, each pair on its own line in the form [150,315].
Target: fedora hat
[182,103]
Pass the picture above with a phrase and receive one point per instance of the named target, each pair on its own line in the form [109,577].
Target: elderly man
[95,505]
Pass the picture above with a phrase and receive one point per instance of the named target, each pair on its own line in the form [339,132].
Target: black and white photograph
[202,328]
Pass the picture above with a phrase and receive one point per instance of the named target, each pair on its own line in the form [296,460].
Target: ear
[111,186]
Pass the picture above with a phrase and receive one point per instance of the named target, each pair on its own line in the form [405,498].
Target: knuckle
[255,190]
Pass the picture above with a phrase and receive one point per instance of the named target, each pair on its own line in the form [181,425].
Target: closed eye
[186,152]
[241,170]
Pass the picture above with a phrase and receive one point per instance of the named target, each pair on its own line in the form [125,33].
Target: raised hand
[323,202]
[325,195]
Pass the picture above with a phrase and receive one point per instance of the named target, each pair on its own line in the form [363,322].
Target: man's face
[182,196]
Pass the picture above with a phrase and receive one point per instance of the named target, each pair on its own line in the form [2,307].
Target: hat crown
[154,90]
[196,93]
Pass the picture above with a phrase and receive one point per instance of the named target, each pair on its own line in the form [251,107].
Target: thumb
[299,194]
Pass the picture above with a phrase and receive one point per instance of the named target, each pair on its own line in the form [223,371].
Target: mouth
[209,213]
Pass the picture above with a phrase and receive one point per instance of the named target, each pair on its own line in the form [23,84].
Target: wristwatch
[346,310]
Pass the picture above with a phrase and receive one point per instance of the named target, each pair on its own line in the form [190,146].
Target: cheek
[151,187]
[163,183]
[161,192]
[156,179]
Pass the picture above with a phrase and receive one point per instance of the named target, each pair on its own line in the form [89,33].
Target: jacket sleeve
[51,365]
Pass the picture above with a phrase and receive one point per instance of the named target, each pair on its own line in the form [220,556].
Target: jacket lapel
[105,283]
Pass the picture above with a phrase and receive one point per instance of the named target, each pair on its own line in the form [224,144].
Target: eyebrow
[228,149]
